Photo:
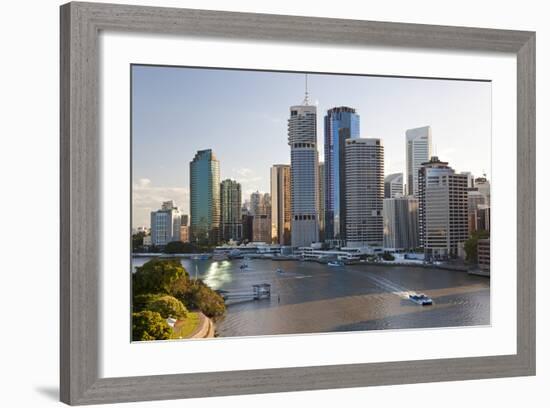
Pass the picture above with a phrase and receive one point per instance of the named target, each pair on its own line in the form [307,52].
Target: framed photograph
[259,203]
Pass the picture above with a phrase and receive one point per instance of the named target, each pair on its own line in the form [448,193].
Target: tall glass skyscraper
[231,202]
[341,123]
[204,205]
[419,150]
[304,174]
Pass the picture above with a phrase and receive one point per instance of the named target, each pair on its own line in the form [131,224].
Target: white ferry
[420,299]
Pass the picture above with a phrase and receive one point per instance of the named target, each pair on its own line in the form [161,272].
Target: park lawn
[183,328]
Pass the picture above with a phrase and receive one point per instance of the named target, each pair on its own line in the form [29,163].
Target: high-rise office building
[419,150]
[280,204]
[184,229]
[261,228]
[484,187]
[341,124]
[231,204]
[393,185]
[400,222]
[470,177]
[443,209]
[165,224]
[364,161]
[205,211]
[475,199]
[304,162]
[322,192]
[260,209]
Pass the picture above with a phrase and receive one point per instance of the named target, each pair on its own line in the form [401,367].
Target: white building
[304,173]
[484,187]
[364,181]
[165,224]
[419,150]
[443,209]
[393,185]
[400,223]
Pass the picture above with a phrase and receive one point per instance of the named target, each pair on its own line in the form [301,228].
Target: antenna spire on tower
[306,98]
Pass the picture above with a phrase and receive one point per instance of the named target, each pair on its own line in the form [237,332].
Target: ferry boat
[420,299]
[335,263]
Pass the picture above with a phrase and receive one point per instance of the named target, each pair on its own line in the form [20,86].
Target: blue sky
[242,116]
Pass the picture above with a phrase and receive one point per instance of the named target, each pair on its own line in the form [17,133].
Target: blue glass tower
[341,123]
[205,197]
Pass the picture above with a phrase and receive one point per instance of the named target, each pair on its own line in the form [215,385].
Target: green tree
[157,276]
[470,246]
[147,325]
[178,247]
[197,295]
[137,241]
[166,305]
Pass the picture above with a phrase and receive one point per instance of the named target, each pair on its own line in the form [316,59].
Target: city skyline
[174,125]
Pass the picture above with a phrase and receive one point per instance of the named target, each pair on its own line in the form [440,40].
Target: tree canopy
[166,305]
[147,325]
[470,246]
[157,276]
[162,288]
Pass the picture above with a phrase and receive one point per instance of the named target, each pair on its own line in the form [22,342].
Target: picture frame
[81,24]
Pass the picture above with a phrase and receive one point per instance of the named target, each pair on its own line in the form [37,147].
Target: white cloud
[147,197]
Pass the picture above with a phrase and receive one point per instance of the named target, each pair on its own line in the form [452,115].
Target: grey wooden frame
[80,192]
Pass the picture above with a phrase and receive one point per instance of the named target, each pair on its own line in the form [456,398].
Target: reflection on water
[310,298]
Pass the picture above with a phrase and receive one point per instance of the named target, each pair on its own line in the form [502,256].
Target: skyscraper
[280,204]
[304,173]
[393,185]
[230,201]
[204,205]
[484,187]
[475,199]
[322,190]
[419,150]
[443,209]
[260,209]
[364,161]
[165,224]
[341,123]
[400,222]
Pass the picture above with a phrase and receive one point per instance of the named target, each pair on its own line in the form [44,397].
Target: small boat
[420,299]
[335,263]
[279,270]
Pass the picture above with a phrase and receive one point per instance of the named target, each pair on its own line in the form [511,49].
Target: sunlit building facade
[280,204]
[443,209]
[304,173]
[364,161]
[418,151]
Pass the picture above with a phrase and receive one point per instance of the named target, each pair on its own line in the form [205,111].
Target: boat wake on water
[396,289]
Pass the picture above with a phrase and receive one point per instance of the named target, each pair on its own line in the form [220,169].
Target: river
[308,297]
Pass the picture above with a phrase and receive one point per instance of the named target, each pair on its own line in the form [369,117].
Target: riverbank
[195,326]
